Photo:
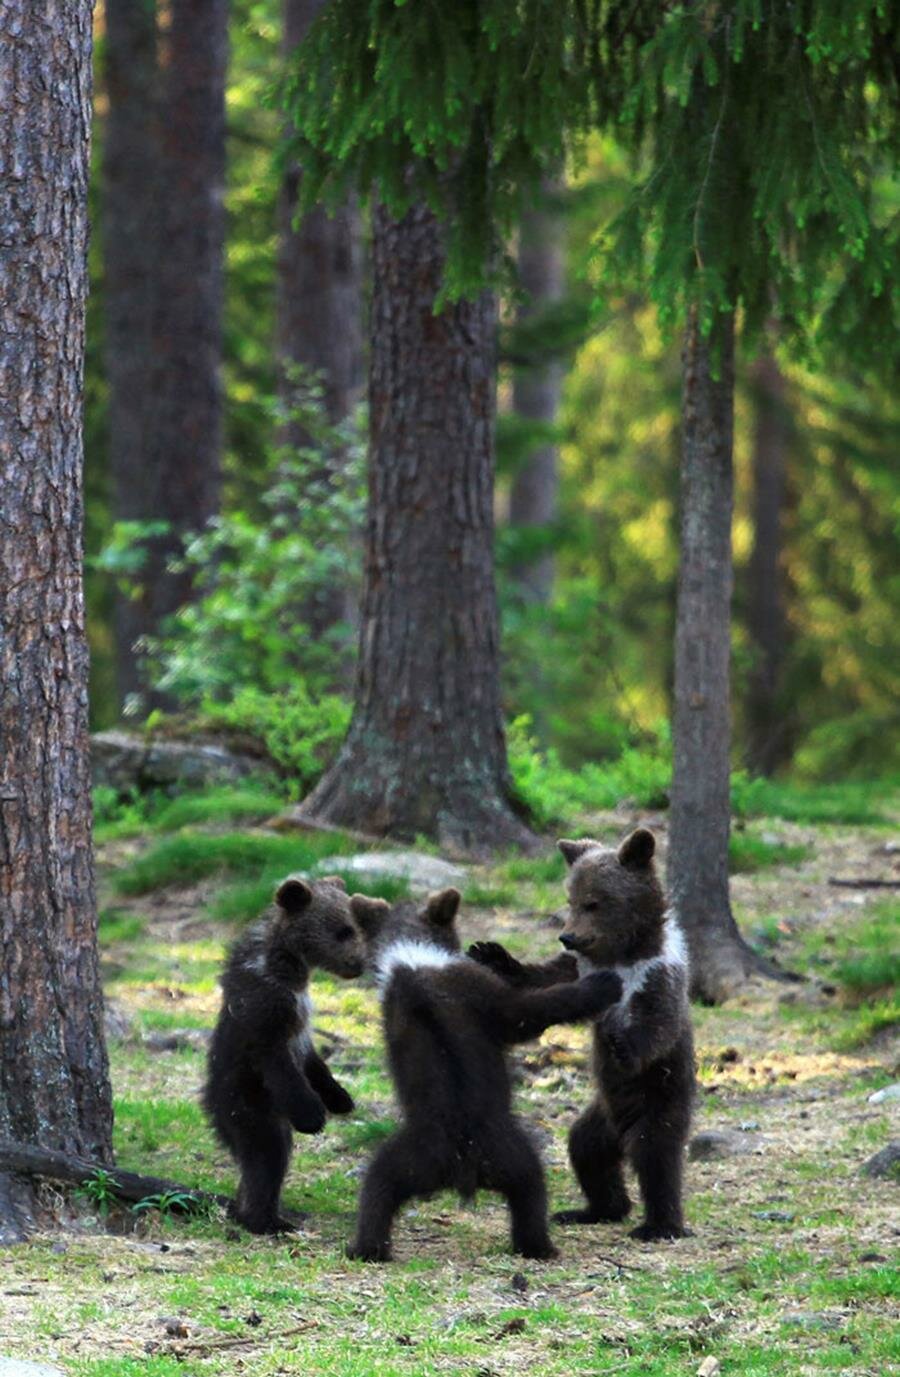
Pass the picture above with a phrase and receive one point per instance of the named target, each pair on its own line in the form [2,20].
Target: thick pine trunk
[54,1084]
[537,390]
[700,812]
[131,208]
[184,446]
[426,751]
[319,308]
[768,731]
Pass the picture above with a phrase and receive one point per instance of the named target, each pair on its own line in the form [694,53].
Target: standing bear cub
[447,1022]
[265,1078]
[643,1044]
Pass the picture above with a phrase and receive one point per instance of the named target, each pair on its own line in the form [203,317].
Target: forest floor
[792,1264]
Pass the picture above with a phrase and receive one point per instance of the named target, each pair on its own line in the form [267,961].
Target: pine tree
[54,1082]
[758,129]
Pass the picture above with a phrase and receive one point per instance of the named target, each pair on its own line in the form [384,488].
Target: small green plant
[101,1190]
[172,1202]
[218,805]
[298,730]
[188,857]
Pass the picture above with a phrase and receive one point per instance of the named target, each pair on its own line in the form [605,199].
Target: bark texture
[131,233]
[700,812]
[185,429]
[426,751]
[54,1084]
[769,743]
[537,391]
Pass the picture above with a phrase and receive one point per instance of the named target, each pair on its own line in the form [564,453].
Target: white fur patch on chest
[412,955]
[301,1042]
[673,957]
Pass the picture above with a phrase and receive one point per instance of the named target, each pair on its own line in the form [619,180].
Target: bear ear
[369,913]
[442,907]
[337,880]
[637,849]
[573,849]
[293,895]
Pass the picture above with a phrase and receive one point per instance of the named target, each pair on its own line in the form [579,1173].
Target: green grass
[849,803]
[191,856]
[218,805]
[481,895]
[748,853]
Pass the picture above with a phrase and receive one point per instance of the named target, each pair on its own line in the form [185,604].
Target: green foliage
[190,857]
[837,803]
[218,805]
[491,117]
[101,1190]
[863,957]
[554,793]
[298,731]
[258,575]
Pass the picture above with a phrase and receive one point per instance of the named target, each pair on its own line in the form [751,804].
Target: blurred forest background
[587,454]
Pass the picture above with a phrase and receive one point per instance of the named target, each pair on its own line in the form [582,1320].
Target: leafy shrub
[555,793]
[298,731]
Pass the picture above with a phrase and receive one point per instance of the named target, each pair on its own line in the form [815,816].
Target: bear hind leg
[262,1151]
[595,1151]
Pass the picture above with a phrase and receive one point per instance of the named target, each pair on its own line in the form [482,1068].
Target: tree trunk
[700,812]
[767,723]
[54,1083]
[537,390]
[130,209]
[319,315]
[426,751]
[186,398]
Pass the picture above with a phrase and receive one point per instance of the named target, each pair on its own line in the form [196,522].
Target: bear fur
[643,1044]
[264,1076]
[447,1021]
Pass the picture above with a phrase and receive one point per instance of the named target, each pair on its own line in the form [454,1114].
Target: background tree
[132,205]
[537,388]
[319,311]
[769,721]
[185,408]
[54,1085]
[425,752]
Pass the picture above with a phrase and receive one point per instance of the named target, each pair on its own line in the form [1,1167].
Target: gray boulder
[424,873]
[884,1164]
[125,760]
[713,1144]
[21,1367]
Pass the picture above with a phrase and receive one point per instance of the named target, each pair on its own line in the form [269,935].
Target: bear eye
[344,934]
[591,906]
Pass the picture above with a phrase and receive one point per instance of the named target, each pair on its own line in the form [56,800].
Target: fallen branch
[865,882]
[177,1348]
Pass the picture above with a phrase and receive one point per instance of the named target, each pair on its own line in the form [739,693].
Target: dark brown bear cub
[264,1075]
[447,1021]
[643,1045]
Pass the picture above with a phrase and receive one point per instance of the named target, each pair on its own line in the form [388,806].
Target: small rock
[514,1326]
[812,1319]
[748,1126]
[519,1282]
[884,1164]
[253,1319]
[126,760]
[424,873]
[18,1367]
[713,1145]
[886,1094]
[176,1328]
[776,1216]
[872,1257]
[710,1367]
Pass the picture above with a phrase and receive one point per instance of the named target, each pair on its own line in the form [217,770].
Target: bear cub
[264,1077]
[447,1021]
[643,1044]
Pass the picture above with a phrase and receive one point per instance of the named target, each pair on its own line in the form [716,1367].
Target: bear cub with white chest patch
[447,1022]
[264,1077]
[643,1045]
